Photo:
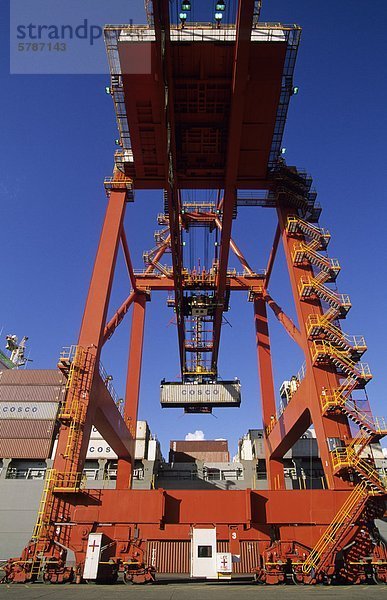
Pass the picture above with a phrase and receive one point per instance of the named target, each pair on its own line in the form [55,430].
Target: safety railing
[347,457]
[295,225]
[340,398]
[31,473]
[307,286]
[45,506]
[321,349]
[316,322]
[301,251]
[64,481]
[107,379]
[119,185]
[331,535]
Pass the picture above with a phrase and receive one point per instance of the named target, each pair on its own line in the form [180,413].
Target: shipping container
[99,449]
[95,434]
[249,557]
[205,450]
[141,449]
[28,410]
[202,445]
[142,430]
[177,395]
[170,556]
[175,556]
[152,450]
[191,456]
[26,429]
[31,393]
[31,377]
[27,448]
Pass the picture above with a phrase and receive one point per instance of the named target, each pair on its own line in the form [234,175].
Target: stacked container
[29,402]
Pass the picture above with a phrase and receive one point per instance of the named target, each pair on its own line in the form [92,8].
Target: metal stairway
[323,352]
[351,510]
[296,226]
[311,286]
[72,414]
[319,327]
[330,346]
[302,252]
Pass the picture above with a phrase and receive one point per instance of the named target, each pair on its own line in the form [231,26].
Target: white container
[95,434]
[152,450]
[140,452]
[142,430]
[29,410]
[99,449]
[186,394]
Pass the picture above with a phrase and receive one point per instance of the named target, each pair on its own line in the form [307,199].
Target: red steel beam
[128,260]
[123,309]
[117,317]
[238,253]
[273,254]
[110,423]
[286,321]
[274,468]
[240,77]
[240,283]
[164,72]
[92,330]
[158,255]
[132,394]
[290,426]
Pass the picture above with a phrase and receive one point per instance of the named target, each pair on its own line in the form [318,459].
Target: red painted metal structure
[205,110]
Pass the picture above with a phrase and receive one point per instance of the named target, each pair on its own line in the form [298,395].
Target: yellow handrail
[329,537]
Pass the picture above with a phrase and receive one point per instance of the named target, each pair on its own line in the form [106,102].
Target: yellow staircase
[314,286]
[302,252]
[337,530]
[340,399]
[296,226]
[349,457]
[45,507]
[73,414]
[323,352]
[319,326]
[330,346]
[41,532]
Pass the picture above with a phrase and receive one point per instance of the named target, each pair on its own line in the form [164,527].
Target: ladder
[73,414]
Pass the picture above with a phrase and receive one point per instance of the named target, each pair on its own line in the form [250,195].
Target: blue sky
[58,137]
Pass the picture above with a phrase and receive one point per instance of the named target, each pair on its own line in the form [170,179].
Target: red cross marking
[94,545]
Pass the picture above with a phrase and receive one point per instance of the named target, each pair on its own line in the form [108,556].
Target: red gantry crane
[202,106]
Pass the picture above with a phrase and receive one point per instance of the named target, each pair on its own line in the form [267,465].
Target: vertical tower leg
[318,379]
[274,468]
[94,319]
[125,466]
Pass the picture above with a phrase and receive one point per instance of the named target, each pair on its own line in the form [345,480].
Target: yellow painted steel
[330,535]
[344,458]
[315,323]
[302,251]
[296,225]
[321,349]
[45,506]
